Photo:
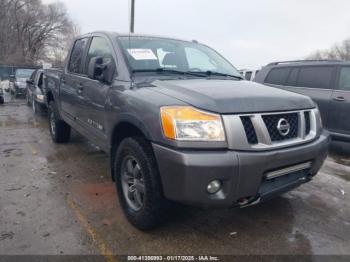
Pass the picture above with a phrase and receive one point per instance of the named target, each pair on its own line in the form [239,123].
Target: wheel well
[121,131]
[124,130]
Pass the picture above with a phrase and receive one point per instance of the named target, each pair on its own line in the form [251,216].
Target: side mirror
[101,70]
[30,81]
[12,78]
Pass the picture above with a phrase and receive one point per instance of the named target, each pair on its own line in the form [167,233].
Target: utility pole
[132,16]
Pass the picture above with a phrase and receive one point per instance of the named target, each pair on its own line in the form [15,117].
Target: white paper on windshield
[142,54]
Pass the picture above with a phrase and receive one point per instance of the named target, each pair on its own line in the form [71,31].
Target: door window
[315,77]
[344,79]
[277,76]
[32,77]
[77,56]
[99,47]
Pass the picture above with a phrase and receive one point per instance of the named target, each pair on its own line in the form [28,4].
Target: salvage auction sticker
[142,54]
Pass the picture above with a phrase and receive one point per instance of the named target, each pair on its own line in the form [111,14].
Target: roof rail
[307,60]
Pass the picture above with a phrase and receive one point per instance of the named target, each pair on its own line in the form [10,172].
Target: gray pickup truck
[181,125]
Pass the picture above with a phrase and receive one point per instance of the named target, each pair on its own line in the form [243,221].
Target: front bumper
[20,91]
[186,174]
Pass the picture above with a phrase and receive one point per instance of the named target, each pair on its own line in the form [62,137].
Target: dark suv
[327,82]
[181,124]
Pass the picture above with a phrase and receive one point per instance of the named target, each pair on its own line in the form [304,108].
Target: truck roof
[310,62]
[115,34]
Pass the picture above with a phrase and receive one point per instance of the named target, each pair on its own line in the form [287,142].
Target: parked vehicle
[327,82]
[249,75]
[35,92]
[2,99]
[180,125]
[18,81]
[4,88]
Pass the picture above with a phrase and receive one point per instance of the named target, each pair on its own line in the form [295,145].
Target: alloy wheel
[133,183]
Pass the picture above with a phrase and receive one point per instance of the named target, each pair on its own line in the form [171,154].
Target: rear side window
[315,77]
[277,76]
[77,56]
[293,77]
[344,79]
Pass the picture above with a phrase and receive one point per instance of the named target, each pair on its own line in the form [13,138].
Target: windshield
[24,73]
[152,53]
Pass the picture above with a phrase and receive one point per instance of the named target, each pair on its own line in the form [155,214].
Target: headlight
[186,123]
[40,98]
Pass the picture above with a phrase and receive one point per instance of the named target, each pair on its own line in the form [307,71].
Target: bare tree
[31,31]
[338,51]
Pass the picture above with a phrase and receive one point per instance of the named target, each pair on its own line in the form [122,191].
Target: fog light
[214,187]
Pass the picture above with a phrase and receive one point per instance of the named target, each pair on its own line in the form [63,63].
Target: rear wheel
[60,130]
[138,183]
[2,100]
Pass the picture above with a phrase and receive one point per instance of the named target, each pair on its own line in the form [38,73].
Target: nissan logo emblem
[283,127]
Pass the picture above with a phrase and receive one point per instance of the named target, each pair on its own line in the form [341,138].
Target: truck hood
[231,96]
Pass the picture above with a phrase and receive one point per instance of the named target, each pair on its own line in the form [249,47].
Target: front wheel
[60,130]
[138,183]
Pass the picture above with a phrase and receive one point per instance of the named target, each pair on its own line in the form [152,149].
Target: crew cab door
[95,92]
[72,79]
[339,113]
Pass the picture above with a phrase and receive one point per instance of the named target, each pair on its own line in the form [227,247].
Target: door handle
[339,99]
[80,89]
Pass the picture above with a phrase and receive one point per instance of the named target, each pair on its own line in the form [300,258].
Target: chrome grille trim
[237,138]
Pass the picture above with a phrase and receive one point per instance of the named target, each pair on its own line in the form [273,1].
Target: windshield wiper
[168,70]
[213,73]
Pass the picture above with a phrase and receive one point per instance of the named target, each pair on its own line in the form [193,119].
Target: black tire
[2,101]
[152,212]
[60,130]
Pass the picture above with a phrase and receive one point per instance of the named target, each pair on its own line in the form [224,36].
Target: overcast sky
[249,33]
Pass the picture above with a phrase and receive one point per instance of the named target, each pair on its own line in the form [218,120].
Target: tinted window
[293,77]
[99,47]
[77,56]
[315,77]
[248,76]
[344,79]
[277,76]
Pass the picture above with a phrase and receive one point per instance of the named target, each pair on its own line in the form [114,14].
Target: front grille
[249,130]
[307,122]
[271,122]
